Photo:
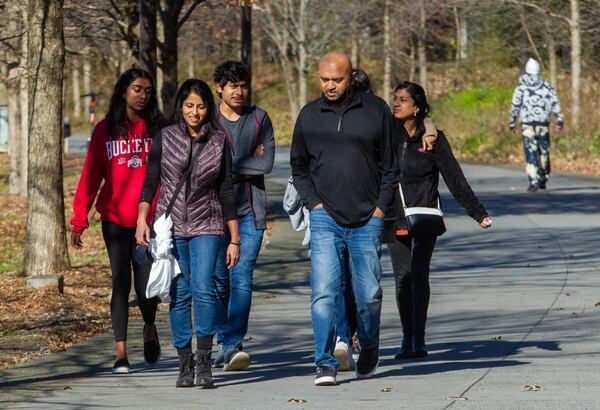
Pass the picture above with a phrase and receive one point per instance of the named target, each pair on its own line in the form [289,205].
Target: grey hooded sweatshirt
[253,128]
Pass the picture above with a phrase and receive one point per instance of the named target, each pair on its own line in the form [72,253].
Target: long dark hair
[117,111]
[417,93]
[362,82]
[198,87]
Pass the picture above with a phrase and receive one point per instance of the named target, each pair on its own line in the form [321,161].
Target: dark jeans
[120,244]
[411,257]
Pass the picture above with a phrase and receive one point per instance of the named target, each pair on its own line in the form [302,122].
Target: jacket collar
[202,135]
[355,102]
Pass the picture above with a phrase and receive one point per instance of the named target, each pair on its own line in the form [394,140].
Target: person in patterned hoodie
[535,102]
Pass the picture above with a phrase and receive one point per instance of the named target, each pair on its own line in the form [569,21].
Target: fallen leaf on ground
[296,401]
[532,387]
[67,387]
[597,304]
[386,390]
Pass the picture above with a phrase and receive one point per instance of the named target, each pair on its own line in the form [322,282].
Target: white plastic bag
[164,267]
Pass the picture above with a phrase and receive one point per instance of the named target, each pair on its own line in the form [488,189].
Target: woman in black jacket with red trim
[419,176]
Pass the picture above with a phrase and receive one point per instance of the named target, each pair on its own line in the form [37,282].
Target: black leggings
[411,257]
[120,244]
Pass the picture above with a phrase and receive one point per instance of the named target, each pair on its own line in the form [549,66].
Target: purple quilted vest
[197,212]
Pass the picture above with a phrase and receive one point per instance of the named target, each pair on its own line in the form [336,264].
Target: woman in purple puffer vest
[204,202]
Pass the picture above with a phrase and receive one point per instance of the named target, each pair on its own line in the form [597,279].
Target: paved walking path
[511,307]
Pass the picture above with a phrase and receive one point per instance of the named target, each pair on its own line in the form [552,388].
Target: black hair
[233,71]
[117,110]
[417,93]
[200,88]
[362,82]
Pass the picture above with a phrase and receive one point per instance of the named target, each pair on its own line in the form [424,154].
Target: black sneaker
[367,362]
[235,359]
[325,376]
[419,350]
[152,349]
[405,351]
[121,366]
[542,185]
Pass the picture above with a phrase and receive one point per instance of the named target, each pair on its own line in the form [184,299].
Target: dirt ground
[38,322]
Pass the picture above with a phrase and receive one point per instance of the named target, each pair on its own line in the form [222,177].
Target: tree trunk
[413,63]
[302,56]
[463,39]
[148,36]
[24,103]
[574,25]
[387,58]
[458,54]
[551,44]
[246,46]
[421,46]
[191,69]
[46,249]
[76,90]
[87,79]
[355,48]
[169,59]
[14,134]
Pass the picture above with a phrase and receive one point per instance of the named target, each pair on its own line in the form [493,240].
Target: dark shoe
[542,185]
[204,377]
[367,362]
[419,350]
[219,360]
[325,376]
[405,351]
[532,188]
[235,359]
[151,349]
[186,368]
[121,366]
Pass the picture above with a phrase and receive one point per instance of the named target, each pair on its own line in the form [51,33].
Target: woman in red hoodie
[118,155]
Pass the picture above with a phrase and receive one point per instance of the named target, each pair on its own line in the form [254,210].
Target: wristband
[234,243]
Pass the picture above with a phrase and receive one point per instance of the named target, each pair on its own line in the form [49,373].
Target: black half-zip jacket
[345,160]
[419,172]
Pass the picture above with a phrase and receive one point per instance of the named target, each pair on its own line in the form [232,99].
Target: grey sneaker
[235,359]
[325,376]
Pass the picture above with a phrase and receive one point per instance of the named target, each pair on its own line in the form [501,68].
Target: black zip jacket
[345,160]
[419,173]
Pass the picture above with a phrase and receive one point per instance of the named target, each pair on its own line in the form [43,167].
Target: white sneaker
[343,355]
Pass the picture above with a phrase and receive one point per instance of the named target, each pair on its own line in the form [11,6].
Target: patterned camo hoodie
[534,102]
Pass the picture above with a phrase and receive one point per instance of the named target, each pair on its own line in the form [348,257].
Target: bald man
[343,164]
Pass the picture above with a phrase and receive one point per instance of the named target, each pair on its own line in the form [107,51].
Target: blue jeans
[234,286]
[197,258]
[328,242]
[346,308]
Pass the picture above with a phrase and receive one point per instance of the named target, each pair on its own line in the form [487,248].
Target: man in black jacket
[343,164]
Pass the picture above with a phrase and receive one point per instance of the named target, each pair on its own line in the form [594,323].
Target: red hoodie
[121,163]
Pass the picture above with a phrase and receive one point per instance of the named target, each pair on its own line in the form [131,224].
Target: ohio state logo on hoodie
[127,150]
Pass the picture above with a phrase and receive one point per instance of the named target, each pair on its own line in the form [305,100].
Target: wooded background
[468,54]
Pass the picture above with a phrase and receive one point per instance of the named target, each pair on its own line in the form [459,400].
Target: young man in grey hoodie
[249,132]
[535,102]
